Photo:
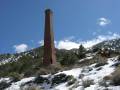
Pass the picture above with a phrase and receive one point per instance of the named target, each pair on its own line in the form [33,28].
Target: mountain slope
[113,45]
[94,71]
[85,78]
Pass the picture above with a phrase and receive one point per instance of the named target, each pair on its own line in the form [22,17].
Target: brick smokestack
[49,48]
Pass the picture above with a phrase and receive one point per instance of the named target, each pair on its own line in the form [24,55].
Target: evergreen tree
[81,52]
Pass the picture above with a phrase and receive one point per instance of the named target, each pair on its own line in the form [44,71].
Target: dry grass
[52,69]
[87,83]
[95,59]
[115,79]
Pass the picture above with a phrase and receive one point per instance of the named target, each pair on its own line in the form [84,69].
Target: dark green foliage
[81,52]
[39,80]
[60,54]
[28,63]
[15,76]
[60,78]
[118,58]
[5,56]
[24,65]
[69,58]
[100,64]
[4,85]
[71,80]
[96,49]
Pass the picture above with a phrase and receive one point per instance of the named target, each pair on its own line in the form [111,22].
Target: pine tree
[81,52]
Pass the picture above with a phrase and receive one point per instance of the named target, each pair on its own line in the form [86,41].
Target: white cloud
[68,44]
[99,39]
[20,48]
[41,42]
[103,21]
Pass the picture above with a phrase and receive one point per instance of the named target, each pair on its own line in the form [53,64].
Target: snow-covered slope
[85,78]
[93,74]
[87,73]
[113,44]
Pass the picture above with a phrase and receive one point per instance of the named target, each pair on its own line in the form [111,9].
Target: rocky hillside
[113,45]
[77,69]
[104,76]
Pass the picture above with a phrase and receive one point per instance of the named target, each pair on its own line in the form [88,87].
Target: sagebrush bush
[40,80]
[118,58]
[31,87]
[60,78]
[81,76]
[68,59]
[115,80]
[15,76]
[72,81]
[100,64]
[107,77]
[4,85]
[51,69]
[103,83]
[87,83]
[42,71]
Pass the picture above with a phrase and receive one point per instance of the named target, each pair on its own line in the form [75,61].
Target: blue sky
[22,21]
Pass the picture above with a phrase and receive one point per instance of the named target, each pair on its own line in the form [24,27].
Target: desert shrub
[116,64]
[4,85]
[42,71]
[118,58]
[25,65]
[39,80]
[99,68]
[107,77]
[103,83]
[81,76]
[54,68]
[115,80]
[100,64]
[69,58]
[104,52]
[87,69]
[29,73]
[60,78]
[31,87]
[51,69]
[15,76]
[71,81]
[95,49]
[87,83]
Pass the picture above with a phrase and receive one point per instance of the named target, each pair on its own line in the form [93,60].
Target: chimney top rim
[48,11]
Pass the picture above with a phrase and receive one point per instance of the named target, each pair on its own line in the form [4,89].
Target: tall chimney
[49,48]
